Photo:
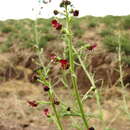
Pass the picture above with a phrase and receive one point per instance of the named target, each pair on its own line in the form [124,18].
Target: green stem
[59,125]
[73,76]
[92,83]
[58,122]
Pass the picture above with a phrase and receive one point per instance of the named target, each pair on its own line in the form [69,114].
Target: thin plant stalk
[92,82]
[121,78]
[73,76]
[58,122]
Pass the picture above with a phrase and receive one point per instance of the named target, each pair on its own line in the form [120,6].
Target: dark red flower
[59,26]
[33,103]
[56,25]
[91,47]
[46,112]
[46,88]
[54,22]
[76,12]
[64,64]
[68,109]
[91,128]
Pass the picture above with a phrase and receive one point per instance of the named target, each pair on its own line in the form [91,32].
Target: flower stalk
[50,93]
[72,69]
[58,122]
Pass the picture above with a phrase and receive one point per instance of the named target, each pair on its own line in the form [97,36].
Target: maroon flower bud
[46,88]
[64,64]
[55,12]
[56,25]
[33,103]
[91,128]
[46,112]
[56,102]
[91,47]
[68,109]
[76,12]
[59,26]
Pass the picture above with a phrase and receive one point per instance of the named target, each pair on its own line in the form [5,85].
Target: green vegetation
[112,42]
[92,23]
[126,59]
[126,22]
[111,21]
[21,32]
[5,47]
[106,32]
[76,27]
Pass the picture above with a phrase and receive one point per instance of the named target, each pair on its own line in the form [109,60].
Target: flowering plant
[68,64]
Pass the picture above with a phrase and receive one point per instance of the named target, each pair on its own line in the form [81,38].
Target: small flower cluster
[64,63]
[35,104]
[63,4]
